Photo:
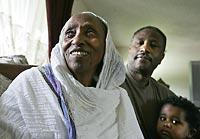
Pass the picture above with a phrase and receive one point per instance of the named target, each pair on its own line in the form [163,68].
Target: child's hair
[192,113]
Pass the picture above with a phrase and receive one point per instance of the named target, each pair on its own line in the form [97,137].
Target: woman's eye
[90,32]
[70,34]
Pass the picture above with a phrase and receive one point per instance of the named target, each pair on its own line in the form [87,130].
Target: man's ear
[162,56]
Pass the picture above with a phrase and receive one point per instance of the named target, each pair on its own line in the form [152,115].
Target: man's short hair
[154,29]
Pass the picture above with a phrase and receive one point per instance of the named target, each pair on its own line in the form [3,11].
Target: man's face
[84,43]
[146,51]
[171,123]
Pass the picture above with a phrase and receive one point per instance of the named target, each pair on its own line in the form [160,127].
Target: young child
[178,119]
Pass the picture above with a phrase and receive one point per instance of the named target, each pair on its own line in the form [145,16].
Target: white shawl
[101,112]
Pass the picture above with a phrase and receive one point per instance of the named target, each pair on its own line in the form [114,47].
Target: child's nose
[168,124]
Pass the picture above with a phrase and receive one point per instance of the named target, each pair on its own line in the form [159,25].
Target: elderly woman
[77,95]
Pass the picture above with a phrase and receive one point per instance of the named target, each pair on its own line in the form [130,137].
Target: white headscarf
[29,108]
[113,70]
[104,111]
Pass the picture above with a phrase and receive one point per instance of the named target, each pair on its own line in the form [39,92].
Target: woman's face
[171,123]
[84,43]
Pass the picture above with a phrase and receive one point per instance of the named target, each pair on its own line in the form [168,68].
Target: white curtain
[23,29]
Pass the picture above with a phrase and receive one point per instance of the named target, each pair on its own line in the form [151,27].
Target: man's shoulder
[153,81]
[164,90]
[128,80]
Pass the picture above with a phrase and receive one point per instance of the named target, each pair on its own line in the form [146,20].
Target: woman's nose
[78,39]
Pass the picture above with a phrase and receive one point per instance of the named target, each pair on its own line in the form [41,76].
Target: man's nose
[145,47]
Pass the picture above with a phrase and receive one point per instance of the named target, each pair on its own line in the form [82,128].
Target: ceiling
[178,19]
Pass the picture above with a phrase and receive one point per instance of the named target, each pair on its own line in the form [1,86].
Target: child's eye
[162,118]
[174,121]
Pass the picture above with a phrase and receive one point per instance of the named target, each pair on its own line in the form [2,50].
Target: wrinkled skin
[83,46]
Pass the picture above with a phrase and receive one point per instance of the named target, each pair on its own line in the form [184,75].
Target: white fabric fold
[29,109]
[104,111]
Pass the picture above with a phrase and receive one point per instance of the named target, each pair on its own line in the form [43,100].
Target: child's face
[171,123]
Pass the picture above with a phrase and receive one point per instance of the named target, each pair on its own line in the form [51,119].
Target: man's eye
[139,42]
[154,45]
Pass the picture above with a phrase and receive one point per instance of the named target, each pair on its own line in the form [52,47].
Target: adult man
[78,91]
[146,52]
